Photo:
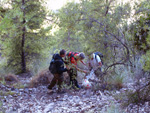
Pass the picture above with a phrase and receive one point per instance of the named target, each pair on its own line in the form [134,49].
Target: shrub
[11,78]
[43,78]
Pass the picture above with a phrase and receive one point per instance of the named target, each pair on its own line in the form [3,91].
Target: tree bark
[23,41]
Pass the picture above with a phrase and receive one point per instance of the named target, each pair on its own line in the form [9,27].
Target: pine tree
[26,38]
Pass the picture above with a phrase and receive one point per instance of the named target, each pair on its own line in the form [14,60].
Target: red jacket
[73,60]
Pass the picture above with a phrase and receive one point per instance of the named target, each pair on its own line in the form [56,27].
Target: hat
[82,55]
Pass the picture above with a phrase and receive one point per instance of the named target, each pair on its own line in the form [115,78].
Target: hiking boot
[77,86]
[50,91]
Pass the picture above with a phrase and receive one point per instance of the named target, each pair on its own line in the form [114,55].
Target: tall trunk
[23,41]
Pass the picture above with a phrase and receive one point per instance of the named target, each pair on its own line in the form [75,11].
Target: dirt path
[37,100]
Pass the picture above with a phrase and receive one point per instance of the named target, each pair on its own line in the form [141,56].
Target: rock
[21,90]
[36,100]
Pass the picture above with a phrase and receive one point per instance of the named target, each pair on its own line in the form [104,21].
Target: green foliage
[114,108]
[3,82]
[19,86]
[23,36]
[132,97]
[68,28]
[147,61]
[89,26]
[114,81]
[118,81]
[7,93]
[3,63]
[93,26]
[142,27]
[141,35]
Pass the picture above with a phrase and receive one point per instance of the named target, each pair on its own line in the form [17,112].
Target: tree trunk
[23,63]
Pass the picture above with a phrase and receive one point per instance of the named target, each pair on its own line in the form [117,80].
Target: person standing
[95,63]
[58,75]
[71,60]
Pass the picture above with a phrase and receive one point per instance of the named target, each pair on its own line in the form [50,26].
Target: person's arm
[84,71]
[78,69]
[100,64]
[74,64]
[60,67]
[67,66]
[82,62]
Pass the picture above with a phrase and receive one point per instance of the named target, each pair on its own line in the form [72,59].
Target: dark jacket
[59,64]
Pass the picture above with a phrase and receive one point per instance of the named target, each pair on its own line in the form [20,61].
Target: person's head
[62,53]
[81,56]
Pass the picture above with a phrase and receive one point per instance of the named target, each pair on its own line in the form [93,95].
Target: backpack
[99,54]
[52,67]
[71,54]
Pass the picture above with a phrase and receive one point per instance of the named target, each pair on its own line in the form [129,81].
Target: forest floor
[37,100]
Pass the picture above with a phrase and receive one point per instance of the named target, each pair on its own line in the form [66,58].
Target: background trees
[141,32]
[96,25]
[91,25]
[23,36]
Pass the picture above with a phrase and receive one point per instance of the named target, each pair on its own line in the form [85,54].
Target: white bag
[86,83]
[91,75]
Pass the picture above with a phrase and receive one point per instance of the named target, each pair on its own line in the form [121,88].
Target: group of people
[70,60]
